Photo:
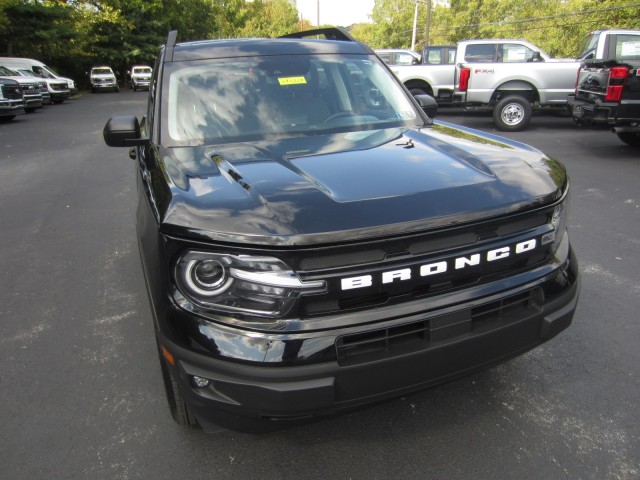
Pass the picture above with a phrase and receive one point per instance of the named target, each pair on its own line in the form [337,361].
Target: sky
[341,13]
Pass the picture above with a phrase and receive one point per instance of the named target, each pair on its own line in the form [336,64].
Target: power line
[546,17]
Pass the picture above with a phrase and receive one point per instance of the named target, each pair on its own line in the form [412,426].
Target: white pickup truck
[509,77]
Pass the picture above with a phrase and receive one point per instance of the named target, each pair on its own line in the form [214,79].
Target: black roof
[336,41]
[256,47]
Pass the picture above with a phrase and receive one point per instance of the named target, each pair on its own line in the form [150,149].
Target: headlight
[244,284]
[559,223]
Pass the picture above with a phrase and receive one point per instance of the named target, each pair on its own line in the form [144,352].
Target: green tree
[35,29]
[270,18]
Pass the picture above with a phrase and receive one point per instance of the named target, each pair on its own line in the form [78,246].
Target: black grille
[375,258]
[419,244]
[11,92]
[419,335]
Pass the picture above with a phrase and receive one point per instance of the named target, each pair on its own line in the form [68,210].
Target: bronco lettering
[436,268]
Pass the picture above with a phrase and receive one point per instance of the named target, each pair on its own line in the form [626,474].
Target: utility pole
[415,25]
[426,42]
[318,13]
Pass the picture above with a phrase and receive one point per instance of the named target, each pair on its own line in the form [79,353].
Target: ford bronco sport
[312,241]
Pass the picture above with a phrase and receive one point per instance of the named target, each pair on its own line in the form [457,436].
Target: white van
[37,67]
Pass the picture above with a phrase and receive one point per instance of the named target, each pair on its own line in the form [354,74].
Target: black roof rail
[171,43]
[330,33]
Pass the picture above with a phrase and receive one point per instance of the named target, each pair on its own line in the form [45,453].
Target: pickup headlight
[243,284]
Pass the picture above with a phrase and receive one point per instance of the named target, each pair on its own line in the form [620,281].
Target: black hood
[347,186]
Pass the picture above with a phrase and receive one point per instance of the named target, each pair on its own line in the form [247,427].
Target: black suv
[312,241]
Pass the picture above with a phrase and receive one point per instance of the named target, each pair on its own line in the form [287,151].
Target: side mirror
[123,131]
[428,104]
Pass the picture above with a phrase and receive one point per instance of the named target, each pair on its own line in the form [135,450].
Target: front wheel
[512,113]
[630,138]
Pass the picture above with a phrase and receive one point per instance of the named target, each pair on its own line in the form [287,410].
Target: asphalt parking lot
[80,387]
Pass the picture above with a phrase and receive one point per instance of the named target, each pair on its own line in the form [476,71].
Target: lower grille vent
[415,336]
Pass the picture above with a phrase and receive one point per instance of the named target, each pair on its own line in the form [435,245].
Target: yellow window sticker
[283,81]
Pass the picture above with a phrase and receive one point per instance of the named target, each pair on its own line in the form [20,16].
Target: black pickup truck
[608,90]
[312,241]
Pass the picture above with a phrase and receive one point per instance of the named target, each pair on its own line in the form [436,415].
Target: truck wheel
[630,138]
[512,113]
[180,411]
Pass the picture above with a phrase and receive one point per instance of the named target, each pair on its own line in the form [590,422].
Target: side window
[404,58]
[480,53]
[515,53]
[385,56]
[452,57]
[434,56]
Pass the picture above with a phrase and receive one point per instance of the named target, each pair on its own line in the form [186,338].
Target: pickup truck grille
[30,88]
[410,254]
[11,92]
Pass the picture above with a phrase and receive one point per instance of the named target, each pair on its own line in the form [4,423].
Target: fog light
[200,382]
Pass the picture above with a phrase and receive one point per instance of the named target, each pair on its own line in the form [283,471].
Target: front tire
[512,113]
[180,411]
[630,138]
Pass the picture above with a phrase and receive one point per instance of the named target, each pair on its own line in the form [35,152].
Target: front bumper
[141,83]
[60,95]
[33,101]
[260,381]
[11,107]
[104,85]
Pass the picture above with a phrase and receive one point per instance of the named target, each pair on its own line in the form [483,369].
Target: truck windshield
[8,72]
[222,101]
[588,46]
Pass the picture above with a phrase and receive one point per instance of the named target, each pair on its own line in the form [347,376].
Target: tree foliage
[557,26]
[73,35]
[76,34]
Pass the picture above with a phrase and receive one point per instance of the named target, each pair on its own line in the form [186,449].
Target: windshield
[101,71]
[7,72]
[144,70]
[230,100]
[588,44]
